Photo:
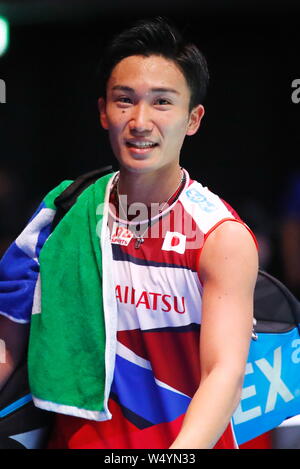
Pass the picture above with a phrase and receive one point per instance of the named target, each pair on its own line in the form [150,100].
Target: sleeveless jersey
[158,293]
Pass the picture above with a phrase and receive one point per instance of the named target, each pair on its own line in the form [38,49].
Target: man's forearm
[210,410]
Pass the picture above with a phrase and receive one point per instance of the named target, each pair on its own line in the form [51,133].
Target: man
[179,262]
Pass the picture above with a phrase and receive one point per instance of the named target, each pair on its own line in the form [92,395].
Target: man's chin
[138,164]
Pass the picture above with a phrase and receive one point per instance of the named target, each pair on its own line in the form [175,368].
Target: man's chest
[154,290]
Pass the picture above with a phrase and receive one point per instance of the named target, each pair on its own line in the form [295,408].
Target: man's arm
[13,342]
[228,271]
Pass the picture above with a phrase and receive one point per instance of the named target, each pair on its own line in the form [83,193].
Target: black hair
[158,37]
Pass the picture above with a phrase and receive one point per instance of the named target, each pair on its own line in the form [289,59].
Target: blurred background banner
[247,148]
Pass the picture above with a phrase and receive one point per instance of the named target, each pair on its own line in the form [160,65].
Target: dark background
[246,149]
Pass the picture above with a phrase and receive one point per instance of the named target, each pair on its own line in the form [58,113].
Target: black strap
[69,196]
[275,303]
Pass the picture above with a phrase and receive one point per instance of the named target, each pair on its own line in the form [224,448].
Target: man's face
[146,112]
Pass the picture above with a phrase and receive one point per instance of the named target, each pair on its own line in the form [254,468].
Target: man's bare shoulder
[231,245]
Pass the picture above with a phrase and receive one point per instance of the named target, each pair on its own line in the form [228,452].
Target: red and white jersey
[159,298]
[157,285]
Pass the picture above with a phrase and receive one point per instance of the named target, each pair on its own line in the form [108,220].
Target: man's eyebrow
[154,90]
[123,88]
[165,90]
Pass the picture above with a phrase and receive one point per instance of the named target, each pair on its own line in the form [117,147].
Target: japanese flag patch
[174,242]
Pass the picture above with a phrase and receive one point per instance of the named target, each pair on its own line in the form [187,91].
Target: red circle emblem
[175,241]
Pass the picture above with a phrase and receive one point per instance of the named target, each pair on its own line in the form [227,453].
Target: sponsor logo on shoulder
[121,235]
[195,196]
[174,242]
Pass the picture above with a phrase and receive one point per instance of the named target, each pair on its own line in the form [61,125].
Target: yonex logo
[277,387]
[198,198]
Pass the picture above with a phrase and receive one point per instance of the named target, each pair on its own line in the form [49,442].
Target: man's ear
[195,119]
[102,113]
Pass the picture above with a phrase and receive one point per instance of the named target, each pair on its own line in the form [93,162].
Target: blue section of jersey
[271,391]
[120,255]
[137,391]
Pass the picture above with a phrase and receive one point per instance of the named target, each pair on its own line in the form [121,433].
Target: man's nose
[141,119]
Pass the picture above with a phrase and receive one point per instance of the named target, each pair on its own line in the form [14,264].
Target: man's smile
[139,146]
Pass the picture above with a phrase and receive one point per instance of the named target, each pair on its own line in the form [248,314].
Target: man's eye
[162,102]
[124,100]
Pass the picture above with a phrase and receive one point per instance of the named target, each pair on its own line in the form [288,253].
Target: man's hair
[158,37]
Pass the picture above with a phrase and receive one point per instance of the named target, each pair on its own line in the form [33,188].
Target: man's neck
[155,187]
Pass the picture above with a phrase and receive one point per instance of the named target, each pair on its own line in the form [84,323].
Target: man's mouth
[141,144]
